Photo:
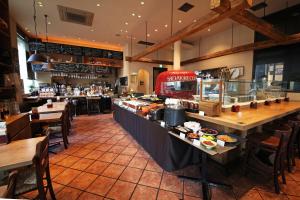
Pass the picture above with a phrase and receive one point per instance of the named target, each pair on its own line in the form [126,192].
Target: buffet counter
[170,153]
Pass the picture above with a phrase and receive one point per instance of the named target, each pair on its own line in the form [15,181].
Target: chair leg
[282,169]
[276,183]
[49,184]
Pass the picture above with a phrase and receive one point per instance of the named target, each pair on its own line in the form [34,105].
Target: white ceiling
[111,16]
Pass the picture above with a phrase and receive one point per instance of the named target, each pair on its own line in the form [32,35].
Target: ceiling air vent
[145,43]
[259,6]
[185,7]
[75,15]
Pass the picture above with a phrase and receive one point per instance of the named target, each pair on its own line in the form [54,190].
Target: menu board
[74,68]
[74,50]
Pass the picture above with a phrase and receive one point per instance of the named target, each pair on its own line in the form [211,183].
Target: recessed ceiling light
[148,35]
[98,4]
[208,30]
[39,2]
[179,21]
[134,38]
[121,30]
[142,3]
[126,23]
[26,28]
[49,23]
[28,31]
[139,16]
[41,5]
[194,20]
[92,30]
[126,31]
[133,14]
[155,30]
[166,25]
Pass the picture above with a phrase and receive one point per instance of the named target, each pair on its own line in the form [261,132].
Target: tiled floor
[104,162]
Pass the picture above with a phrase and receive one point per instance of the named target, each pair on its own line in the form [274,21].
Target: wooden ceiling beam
[253,22]
[148,60]
[204,22]
[295,38]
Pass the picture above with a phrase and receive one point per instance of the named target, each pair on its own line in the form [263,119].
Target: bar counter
[170,153]
[250,118]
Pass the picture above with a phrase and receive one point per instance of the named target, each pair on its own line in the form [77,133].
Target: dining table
[18,153]
[47,118]
[56,107]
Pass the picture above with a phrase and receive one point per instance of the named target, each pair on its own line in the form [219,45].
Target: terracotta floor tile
[82,152]
[89,196]
[104,147]
[66,176]
[101,185]
[94,155]
[116,149]
[68,161]
[130,151]
[111,141]
[131,174]
[251,195]
[291,188]
[192,188]
[153,166]
[82,164]
[113,171]
[144,193]
[138,162]
[57,187]
[68,193]
[70,150]
[92,145]
[142,154]
[292,198]
[97,167]
[57,157]
[151,179]
[108,157]
[165,195]
[123,160]
[271,196]
[171,183]
[83,180]
[55,170]
[121,190]
[186,197]
[295,175]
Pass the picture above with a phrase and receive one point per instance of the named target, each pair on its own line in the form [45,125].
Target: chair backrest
[9,193]
[295,124]
[284,133]
[41,162]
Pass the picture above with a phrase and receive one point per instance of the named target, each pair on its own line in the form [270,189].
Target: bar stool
[261,147]
[93,104]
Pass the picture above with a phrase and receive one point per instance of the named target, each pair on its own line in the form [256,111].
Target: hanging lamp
[47,66]
[36,58]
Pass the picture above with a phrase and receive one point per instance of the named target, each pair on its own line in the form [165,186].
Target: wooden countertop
[18,153]
[250,118]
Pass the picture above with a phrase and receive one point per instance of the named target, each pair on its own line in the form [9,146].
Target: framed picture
[236,72]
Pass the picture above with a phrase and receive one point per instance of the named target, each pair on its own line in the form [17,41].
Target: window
[22,46]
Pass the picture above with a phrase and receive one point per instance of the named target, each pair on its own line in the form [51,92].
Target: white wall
[130,68]
[222,41]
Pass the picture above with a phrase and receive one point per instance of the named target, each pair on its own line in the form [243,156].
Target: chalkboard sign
[87,51]
[102,70]
[54,48]
[40,47]
[74,50]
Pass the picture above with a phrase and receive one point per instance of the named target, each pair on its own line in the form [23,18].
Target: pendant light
[36,58]
[48,65]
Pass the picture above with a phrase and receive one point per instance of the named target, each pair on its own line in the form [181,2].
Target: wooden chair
[7,191]
[259,151]
[32,178]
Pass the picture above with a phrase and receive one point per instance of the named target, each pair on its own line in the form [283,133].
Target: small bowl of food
[209,144]
[209,131]
[193,136]
[227,138]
